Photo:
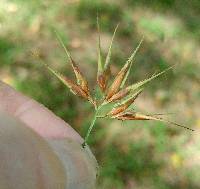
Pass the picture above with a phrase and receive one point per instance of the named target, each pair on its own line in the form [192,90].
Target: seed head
[122,75]
[124,105]
[117,94]
[138,116]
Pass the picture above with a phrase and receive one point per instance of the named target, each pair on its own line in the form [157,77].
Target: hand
[38,149]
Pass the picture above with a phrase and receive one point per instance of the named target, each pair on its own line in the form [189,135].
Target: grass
[176,92]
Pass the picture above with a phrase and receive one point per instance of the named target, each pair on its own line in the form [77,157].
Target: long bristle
[130,62]
[81,80]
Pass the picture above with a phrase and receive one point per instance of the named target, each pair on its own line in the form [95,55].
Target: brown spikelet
[83,91]
[130,62]
[101,80]
[76,89]
[121,77]
[123,92]
[115,86]
[81,80]
[125,116]
[106,74]
[106,67]
[100,73]
[138,116]
[143,82]
[124,105]
[131,116]
[117,110]
[118,96]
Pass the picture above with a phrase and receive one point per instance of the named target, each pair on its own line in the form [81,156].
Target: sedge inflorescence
[114,91]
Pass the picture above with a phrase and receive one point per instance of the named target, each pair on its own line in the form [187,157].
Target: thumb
[26,160]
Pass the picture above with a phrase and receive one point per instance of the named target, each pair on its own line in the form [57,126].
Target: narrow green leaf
[141,83]
[63,45]
[107,62]
[129,115]
[57,74]
[147,117]
[100,66]
[66,81]
[160,114]
[131,97]
[124,105]
[81,80]
[130,62]
[74,88]
[74,66]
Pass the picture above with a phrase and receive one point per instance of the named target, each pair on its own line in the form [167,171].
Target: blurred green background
[142,155]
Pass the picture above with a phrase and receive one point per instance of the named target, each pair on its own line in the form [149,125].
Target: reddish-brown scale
[80,78]
[75,88]
[121,108]
[118,96]
[131,116]
[115,86]
[101,82]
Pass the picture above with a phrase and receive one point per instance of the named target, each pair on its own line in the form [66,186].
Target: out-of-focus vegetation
[130,154]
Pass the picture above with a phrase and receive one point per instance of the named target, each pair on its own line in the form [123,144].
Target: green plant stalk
[90,128]
[92,125]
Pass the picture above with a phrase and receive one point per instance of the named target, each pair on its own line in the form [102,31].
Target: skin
[38,149]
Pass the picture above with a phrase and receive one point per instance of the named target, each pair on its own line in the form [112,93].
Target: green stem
[92,125]
[90,128]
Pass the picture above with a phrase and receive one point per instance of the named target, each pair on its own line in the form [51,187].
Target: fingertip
[35,115]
